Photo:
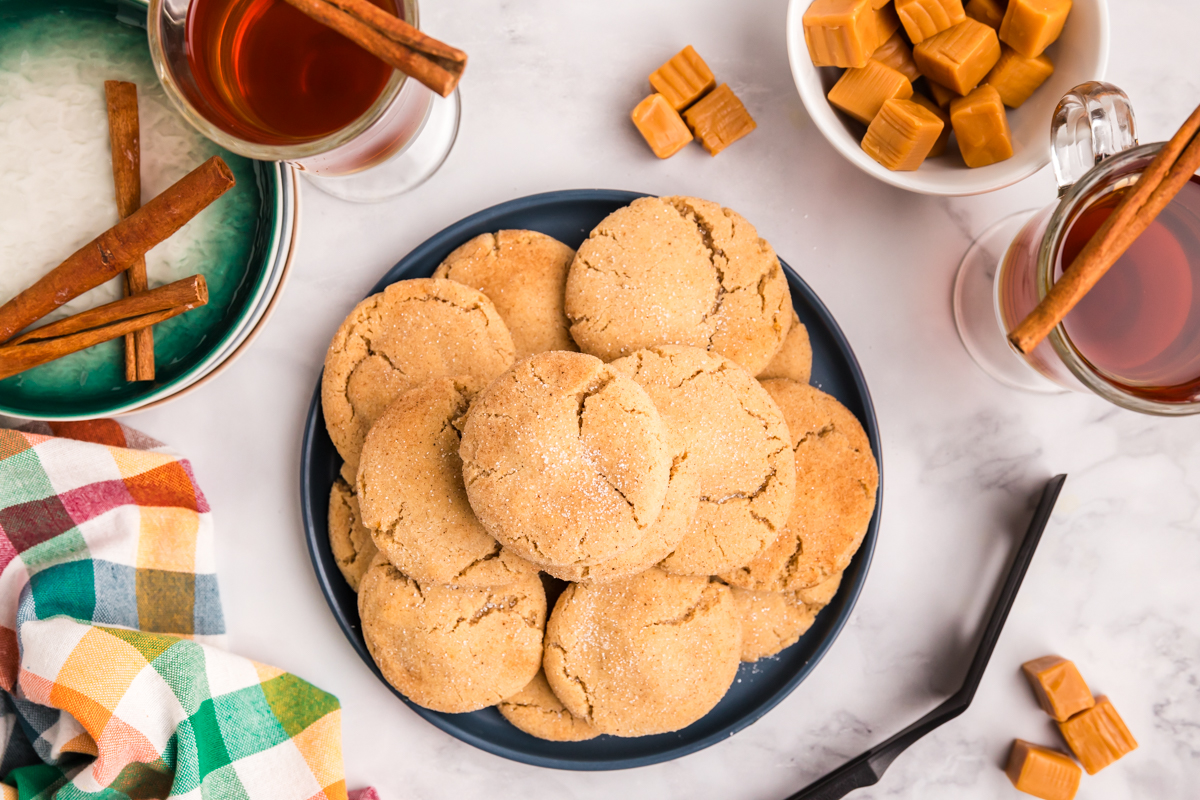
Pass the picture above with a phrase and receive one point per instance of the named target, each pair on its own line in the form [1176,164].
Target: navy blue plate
[569,216]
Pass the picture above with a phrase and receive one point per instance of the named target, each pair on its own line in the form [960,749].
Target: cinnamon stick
[15,358]
[433,63]
[1171,169]
[191,291]
[111,252]
[123,134]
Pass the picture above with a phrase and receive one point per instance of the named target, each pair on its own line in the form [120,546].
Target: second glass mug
[1012,265]
[393,147]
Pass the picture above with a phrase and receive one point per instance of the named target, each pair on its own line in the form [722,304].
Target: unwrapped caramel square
[941,95]
[981,127]
[886,24]
[1058,686]
[989,12]
[684,79]
[841,33]
[923,18]
[896,54]
[960,57]
[1017,77]
[719,119]
[939,147]
[902,135]
[1030,26]
[862,91]
[1098,736]
[661,126]
[1042,772]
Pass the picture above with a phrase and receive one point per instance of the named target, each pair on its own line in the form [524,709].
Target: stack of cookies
[634,420]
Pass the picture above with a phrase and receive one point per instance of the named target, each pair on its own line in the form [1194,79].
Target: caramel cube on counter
[941,95]
[1060,689]
[841,33]
[1098,736]
[1030,26]
[923,18]
[684,79]
[981,126]
[939,147]
[1017,77]
[960,57]
[661,126]
[896,54]
[862,92]
[719,119]
[902,135]
[989,12]
[1042,773]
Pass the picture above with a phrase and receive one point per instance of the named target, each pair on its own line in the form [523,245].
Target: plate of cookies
[591,479]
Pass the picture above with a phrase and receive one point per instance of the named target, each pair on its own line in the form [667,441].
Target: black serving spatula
[867,769]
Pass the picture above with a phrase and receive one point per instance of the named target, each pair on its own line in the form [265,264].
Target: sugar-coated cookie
[794,359]
[349,539]
[407,334]
[644,655]
[738,440]
[566,461]
[452,649]
[772,621]
[836,481]
[412,495]
[539,713]
[523,273]
[678,270]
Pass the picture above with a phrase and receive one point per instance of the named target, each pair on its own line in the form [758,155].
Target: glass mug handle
[1092,122]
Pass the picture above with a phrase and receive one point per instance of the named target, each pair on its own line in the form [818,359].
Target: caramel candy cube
[896,54]
[684,79]
[1098,736]
[960,57]
[1030,26]
[941,95]
[1060,689]
[923,18]
[1017,77]
[939,147]
[862,92]
[719,119]
[989,12]
[841,33]
[902,135]
[886,24]
[661,126]
[981,127]
[1042,773]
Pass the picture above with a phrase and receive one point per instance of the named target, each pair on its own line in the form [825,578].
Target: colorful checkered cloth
[114,683]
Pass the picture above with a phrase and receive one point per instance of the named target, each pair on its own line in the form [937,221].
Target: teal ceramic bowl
[243,250]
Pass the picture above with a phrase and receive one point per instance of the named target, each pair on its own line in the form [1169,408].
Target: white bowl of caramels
[1079,54]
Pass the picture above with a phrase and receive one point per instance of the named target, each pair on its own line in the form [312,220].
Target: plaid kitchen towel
[113,681]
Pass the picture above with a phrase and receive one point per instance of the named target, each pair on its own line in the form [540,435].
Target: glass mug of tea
[263,80]
[1134,339]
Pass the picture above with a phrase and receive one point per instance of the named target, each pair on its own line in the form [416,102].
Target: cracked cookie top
[836,477]
[565,461]
[539,713]
[645,655]
[523,273]
[409,333]
[738,441]
[349,539]
[678,270]
[772,621]
[452,649]
[412,495]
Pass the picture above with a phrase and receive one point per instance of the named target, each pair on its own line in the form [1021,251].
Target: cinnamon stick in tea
[123,135]
[390,39]
[1171,169]
[16,358]
[111,252]
[191,291]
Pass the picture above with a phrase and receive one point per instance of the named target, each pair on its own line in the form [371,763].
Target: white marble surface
[545,107]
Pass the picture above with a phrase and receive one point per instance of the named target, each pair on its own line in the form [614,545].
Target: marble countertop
[546,105]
